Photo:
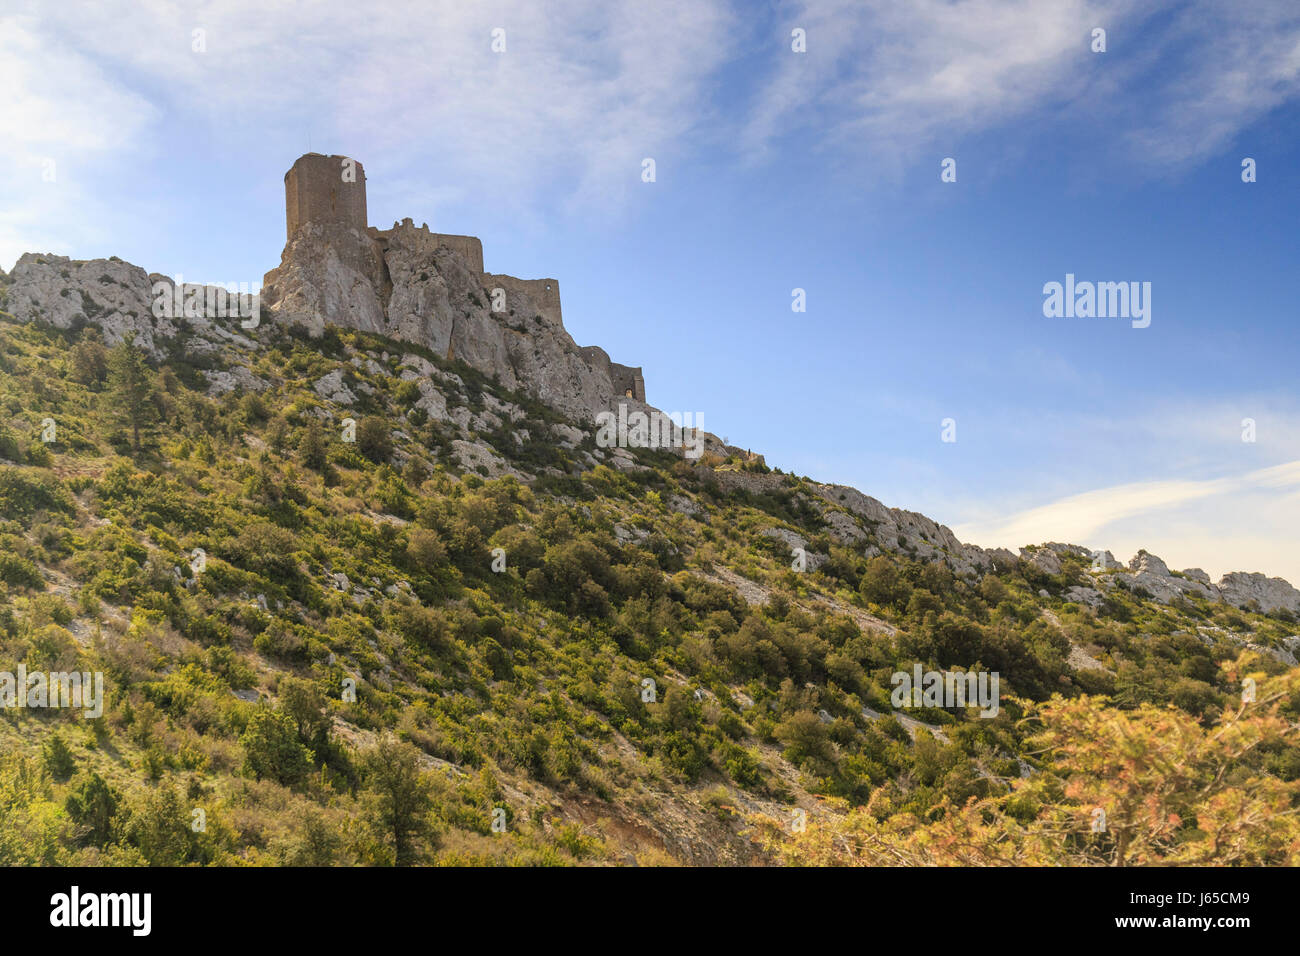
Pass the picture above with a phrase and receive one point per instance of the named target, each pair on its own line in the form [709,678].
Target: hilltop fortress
[430,288]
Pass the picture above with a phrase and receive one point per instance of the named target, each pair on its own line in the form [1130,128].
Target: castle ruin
[325,189]
[330,192]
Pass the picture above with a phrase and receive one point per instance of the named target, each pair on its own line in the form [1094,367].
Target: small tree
[425,550]
[158,824]
[89,361]
[304,702]
[399,797]
[93,804]
[130,389]
[312,447]
[59,760]
[374,439]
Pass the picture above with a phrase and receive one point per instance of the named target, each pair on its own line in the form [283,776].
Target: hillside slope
[357,601]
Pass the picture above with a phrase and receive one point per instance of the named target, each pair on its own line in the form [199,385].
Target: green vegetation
[343,678]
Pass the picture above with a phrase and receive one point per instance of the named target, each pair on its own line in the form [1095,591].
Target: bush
[59,760]
[19,572]
[93,805]
[312,447]
[9,448]
[272,748]
[23,493]
[374,439]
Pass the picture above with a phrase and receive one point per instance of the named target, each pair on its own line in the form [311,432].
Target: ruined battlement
[468,248]
[545,293]
[628,380]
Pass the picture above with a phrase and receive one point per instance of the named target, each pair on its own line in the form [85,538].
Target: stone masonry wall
[468,248]
[315,191]
[626,379]
[545,293]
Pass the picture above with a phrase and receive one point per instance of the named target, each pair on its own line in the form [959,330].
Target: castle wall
[468,248]
[315,191]
[625,379]
[545,293]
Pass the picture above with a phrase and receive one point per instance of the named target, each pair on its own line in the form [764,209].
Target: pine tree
[315,454]
[399,797]
[93,805]
[130,388]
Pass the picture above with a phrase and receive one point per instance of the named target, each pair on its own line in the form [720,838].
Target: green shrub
[272,749]
[19,572]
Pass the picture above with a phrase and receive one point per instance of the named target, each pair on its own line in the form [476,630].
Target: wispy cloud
[61,111]
[1213,523]
[896,77]
[586,88]
[583,91]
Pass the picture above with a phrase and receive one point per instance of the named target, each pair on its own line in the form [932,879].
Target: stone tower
[325,189]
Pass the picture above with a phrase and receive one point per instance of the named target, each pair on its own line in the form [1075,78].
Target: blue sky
[775,170]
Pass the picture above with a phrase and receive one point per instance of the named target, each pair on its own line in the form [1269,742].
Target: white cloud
[583,92]
[896,78]
[60,111]
[1247,522]
[588,88]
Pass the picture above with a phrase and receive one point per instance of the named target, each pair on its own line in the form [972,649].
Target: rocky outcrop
[328,275]
[896,529]
[69,293]
[1044,559]
[1242,588]
[121,299]
[333,388]
[400,284]
[1145,563]
[1085,595]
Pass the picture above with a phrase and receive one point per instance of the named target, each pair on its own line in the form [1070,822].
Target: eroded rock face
[1085,595]
[897,529]
[1146,563]
[109,293]
[327,275]
[1044,559]
[1240,588]
[332,388]
[397,286]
